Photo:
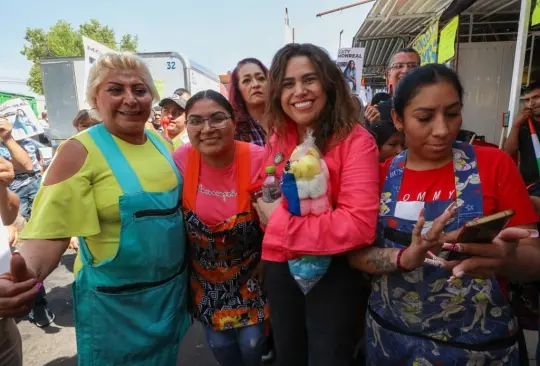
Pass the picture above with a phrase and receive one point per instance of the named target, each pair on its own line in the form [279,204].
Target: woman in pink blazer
[308,91]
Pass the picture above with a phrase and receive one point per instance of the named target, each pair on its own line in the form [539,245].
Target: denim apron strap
[122,171]
[165,152]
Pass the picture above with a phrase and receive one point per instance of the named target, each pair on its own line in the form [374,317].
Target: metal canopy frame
[393,24]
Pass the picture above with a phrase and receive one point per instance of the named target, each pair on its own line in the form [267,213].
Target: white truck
[63,84]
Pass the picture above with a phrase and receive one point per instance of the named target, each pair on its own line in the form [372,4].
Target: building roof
[393,24]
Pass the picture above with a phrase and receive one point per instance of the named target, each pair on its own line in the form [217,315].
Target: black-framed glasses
[216,121]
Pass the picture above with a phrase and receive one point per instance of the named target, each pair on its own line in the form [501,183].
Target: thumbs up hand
[18,289]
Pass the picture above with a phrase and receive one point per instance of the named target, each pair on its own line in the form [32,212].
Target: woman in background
[247,95]
[20,124]
[350,75]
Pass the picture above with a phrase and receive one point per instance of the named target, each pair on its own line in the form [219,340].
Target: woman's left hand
[487,259]
[265,209]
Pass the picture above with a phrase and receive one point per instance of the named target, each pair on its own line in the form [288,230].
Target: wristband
[398,261]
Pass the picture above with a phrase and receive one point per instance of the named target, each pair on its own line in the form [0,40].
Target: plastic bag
[306,189]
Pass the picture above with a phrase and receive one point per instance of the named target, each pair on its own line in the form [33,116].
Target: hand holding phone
[482,231]
[485,229]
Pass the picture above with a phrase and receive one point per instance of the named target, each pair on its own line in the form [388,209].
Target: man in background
[401,63]
[173,109]
[183,93]
[519,140]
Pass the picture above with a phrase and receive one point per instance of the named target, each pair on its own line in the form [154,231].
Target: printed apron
[417,318]
[132,309]
[224,256]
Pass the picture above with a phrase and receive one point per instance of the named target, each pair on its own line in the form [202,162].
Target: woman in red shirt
[307,90]
[455,311]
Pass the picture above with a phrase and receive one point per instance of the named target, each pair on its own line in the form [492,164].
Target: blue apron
[131,309]
[417,318]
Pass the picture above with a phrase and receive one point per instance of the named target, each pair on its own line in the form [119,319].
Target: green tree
[62,40]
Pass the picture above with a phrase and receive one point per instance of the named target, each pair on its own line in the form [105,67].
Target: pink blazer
[354,174]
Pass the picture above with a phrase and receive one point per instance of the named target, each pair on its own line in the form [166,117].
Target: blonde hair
[117,61]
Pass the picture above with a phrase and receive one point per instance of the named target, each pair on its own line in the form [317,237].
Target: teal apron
[131,309]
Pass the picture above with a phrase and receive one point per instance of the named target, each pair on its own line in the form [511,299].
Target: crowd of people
[161,198]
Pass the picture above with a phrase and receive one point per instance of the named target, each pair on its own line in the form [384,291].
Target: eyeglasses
[402,65]
[216,122]
[175,113]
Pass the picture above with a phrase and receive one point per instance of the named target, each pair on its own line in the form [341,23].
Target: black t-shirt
[527,159]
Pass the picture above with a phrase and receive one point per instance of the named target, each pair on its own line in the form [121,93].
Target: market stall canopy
[393,24]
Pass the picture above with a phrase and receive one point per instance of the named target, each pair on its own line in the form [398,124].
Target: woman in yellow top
[116,187]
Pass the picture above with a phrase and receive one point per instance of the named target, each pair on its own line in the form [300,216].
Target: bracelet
[398,261]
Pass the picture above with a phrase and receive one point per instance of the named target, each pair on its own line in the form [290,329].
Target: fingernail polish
[533,233]
[452,247]
[451,279]
[39,285]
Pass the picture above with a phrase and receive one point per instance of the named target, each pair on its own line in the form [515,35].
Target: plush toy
[306,189]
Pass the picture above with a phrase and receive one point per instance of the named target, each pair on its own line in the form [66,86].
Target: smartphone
[385,110]
[482,230]
[485,229]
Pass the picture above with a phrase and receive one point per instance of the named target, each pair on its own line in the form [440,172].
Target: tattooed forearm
[382,260]
[374,260]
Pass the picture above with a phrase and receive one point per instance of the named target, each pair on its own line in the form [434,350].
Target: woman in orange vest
[223,231]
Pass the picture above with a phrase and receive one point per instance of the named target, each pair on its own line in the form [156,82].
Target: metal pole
[340,33]
[344,7]
[471,24]
[531,58]
[517,73]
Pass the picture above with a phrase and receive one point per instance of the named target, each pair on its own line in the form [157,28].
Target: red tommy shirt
[502,185]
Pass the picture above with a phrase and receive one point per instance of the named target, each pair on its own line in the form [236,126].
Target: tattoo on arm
[381,260]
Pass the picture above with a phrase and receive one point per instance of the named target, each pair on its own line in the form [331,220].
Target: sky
[214,33]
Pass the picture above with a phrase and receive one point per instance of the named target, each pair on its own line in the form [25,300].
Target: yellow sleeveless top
[86,204]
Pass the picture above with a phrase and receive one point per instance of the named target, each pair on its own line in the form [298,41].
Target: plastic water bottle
[271,188]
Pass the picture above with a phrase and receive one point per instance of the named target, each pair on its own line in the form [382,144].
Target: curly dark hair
[338,117]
